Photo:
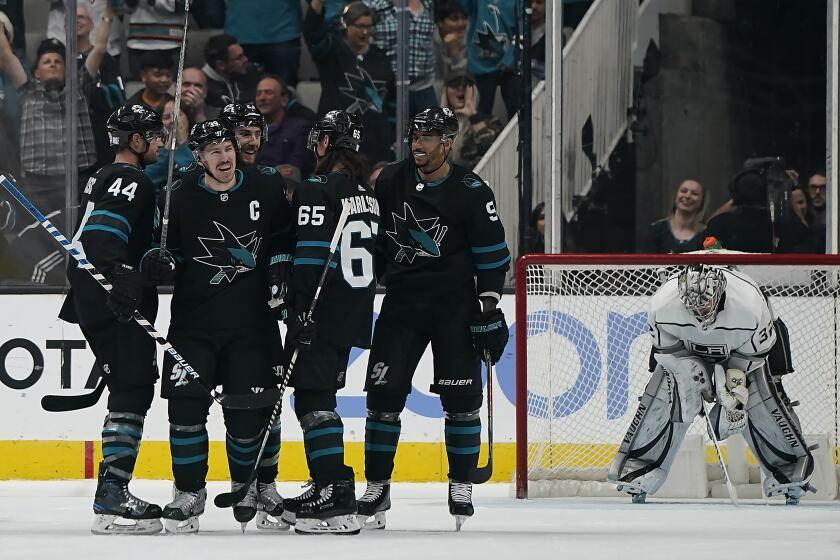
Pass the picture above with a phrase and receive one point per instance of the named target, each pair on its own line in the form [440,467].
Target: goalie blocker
[714,338]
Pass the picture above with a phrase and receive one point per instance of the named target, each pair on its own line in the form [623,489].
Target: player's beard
[430,161]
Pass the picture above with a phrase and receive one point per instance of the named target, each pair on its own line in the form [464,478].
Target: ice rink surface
[51,520]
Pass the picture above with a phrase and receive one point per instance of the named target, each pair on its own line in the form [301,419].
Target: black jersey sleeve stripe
[107,229]
[313,262]
[102,216]
[489,248]
[492,265]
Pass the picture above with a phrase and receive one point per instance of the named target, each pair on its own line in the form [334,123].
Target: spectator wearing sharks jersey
[356,75]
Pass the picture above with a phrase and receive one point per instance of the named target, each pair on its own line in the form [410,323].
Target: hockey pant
[672,398]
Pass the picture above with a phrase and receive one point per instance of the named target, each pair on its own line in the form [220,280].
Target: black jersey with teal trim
[116,226]
[224,242]
[440,236]
[344,313]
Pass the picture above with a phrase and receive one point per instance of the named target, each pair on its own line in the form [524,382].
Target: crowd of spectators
[459,53]
[771,211]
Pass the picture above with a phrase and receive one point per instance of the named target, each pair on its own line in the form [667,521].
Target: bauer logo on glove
[490,334]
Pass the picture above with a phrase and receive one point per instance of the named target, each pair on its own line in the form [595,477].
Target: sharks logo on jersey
[491,42]
[416,237]
[366,93]
[230,254]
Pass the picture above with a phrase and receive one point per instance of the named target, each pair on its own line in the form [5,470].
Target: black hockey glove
[158,266]
[126,293]
[300,331]
[279,275]
[490,334]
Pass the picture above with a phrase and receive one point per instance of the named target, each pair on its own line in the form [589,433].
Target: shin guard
[189,447]
[271,455]
[382,435]
[462,432]
[323,440]
[121,435]
[241,454]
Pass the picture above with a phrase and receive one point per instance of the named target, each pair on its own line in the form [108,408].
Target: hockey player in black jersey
[251,131]
[114,232]
[343,316]
[227,229]
[445,260]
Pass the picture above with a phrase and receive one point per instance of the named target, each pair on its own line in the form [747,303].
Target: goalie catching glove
[731,387]
[490,334]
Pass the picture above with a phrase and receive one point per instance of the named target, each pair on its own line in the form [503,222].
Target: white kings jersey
[742,334]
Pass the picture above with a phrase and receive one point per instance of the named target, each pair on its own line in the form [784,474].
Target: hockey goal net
[582,354]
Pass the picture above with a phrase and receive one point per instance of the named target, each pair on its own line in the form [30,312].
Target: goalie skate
[374,503]
[270,508]
[332,511]
[460,502]
[181,515]
[119,512]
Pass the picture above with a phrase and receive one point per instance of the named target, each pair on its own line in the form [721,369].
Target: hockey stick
[259,400]
[229,499]
[480,475]
[733,494]
[65,403]
[174,133]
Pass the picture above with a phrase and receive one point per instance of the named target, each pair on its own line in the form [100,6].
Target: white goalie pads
[774,436]
[673,397]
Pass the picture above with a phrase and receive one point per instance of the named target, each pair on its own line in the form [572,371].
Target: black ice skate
[118,511]
[245,510]
[181,515]
[270,508]
[332,511]
[374,502]
[460,502]
[292,505]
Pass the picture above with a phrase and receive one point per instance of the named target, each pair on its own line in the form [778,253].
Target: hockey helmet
[133,119]
[210,132]
[343,128]
[438,120]
[240,115]
[701,288]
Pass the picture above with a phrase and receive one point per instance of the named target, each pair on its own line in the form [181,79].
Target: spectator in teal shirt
[490,48]
[159,170]
[269,32]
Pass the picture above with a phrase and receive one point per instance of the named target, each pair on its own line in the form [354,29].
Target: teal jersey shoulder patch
[472,181]
[189,167]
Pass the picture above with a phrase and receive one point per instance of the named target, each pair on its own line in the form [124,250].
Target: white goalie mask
[701,288]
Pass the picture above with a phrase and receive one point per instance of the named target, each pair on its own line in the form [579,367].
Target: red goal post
[582,350]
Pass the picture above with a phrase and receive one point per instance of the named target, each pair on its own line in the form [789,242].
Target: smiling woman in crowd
[681,230]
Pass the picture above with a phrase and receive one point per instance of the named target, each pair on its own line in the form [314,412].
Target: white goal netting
[588,349]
